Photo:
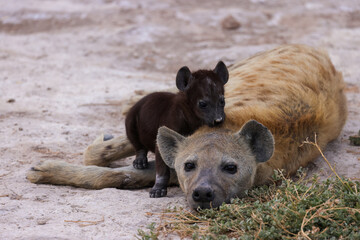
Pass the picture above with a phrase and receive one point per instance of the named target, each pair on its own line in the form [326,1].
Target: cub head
[204,90]
[214,167]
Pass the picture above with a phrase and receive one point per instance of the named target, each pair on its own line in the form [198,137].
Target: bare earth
[67,66]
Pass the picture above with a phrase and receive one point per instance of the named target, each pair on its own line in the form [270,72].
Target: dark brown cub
[200,101]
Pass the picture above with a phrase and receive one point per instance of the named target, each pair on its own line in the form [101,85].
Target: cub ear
[259,138]
[222,71]
[182,78]
[168,143]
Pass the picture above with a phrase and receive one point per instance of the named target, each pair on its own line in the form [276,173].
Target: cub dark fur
[200,101]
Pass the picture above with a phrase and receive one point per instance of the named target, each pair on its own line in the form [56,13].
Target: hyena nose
[218,121]
[203,194]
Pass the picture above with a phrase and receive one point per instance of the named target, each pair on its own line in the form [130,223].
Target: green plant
[302,209]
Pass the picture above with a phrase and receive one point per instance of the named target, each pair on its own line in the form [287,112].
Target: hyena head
[214,167]
[204,90]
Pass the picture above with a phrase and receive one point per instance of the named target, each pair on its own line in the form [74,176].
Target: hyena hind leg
[105,150]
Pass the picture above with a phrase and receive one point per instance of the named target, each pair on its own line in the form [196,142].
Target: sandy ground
[67,66]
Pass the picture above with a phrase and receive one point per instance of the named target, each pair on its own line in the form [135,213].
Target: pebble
[230,23]
[42,221]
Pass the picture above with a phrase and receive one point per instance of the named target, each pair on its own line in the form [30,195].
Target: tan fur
[210,152]
[294,90]
[102,153]
[93,177]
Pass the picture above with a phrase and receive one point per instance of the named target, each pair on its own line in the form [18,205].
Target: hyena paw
[158,192]
[141,162]
[42,172]
[107,137]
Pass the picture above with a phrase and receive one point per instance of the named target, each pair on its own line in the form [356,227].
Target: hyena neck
[187,115]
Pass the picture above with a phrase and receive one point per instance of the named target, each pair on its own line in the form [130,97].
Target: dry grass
[305,209]
[85,223]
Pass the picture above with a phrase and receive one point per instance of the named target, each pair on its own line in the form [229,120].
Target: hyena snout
[218,121]
[203,194]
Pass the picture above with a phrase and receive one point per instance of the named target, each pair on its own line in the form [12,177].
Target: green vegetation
[301,209]
[305,209]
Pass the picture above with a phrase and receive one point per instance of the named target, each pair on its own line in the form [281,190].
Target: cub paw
[141,162]
[158,192]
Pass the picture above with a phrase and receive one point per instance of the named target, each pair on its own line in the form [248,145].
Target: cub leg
[141,160]
[162,177]
[132,132]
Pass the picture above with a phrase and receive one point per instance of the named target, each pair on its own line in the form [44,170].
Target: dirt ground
[67,66]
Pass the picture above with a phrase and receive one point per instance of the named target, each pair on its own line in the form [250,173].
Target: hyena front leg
[106,149]
[91,177]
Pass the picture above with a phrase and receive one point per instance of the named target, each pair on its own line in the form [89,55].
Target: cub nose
[218,121]
[203,194]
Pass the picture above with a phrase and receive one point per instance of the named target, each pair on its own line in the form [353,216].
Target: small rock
[11,100]
[139,92]
[42,221]
[20,129]
[230,23]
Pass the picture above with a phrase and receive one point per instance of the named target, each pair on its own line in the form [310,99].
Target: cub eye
[189,166]
[232,169]
[202,104]
[222,101]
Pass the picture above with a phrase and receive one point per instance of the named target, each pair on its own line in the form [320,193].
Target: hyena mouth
[203,205]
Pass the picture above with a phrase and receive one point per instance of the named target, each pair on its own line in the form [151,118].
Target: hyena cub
[200,101]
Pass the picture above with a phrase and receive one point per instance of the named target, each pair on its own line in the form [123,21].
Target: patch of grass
[302,209]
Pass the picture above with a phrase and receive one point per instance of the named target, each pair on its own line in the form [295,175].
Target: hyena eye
[189,166]
[232,169]
[202,104]
[222,101]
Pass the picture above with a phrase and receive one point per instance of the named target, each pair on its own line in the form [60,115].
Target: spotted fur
[294,91]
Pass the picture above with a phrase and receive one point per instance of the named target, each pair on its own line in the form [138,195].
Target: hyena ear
[222,71]
[259,138]
[168,142]
[183,78]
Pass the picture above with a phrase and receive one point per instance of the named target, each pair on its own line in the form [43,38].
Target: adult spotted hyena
[274,101]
